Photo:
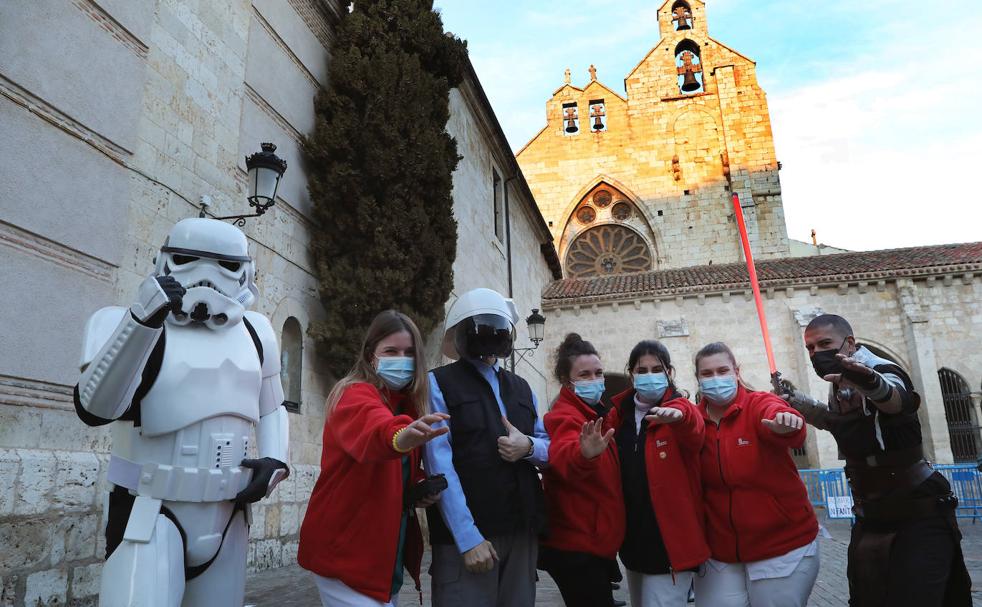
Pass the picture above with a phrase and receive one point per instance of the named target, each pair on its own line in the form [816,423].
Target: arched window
[608,249]
[963,426]
[682,15]
[291,363]
[607,234]
[688,64]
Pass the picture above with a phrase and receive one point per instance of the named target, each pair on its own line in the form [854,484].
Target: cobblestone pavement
[292,586]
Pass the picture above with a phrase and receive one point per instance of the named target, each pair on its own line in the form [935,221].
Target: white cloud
[889,155]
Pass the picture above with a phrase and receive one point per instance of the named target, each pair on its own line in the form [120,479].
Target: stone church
[636,189]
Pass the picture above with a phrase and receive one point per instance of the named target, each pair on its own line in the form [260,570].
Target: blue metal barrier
[965,479]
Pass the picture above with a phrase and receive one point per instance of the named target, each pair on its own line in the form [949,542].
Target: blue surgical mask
[396,371]
[651,386]
[719,390]
[589,390]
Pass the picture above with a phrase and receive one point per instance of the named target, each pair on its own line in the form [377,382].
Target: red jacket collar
[398,402]
[568,396]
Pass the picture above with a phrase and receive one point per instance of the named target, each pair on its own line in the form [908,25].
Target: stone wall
[482,259]
[138,109]
[924,325]
[174,94]
[678,156]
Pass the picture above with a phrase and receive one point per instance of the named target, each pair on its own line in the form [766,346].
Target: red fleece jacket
[756,505]
[584,501]
[351,529]
[671,456]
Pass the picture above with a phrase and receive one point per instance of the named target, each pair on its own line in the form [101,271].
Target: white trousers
[731,587]
[335,593]
[659,590]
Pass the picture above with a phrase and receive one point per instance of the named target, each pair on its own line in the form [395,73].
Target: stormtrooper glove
[263,472]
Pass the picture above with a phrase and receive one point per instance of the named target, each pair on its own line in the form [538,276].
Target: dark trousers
[919,564]
[583,579]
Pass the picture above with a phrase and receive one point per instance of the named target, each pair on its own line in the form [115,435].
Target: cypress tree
[380,166]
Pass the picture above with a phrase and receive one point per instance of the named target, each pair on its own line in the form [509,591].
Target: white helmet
[210,259]
[480,323]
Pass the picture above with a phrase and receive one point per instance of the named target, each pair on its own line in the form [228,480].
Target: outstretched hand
[663,415]
[421,431]
[593,441]
[853,371]
[784,423]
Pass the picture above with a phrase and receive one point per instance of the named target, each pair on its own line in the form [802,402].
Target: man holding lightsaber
[905,546]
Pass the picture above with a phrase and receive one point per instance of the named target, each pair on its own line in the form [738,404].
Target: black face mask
[826,363]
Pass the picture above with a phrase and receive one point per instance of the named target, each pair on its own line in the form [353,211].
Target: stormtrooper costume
[187,373]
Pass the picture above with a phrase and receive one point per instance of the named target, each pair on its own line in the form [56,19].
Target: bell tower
[692,129]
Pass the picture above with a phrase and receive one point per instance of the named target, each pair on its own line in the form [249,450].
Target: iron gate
[963,426]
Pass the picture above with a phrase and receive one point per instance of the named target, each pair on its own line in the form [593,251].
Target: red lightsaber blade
[752,270]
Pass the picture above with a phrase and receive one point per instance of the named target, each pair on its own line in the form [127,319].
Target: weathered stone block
[36,481]
[85,581]
[75,480]
[9,470]
[289,524]
[46,588]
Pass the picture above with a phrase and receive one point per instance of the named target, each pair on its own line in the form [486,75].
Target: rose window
[608,249]
[586,214]
[602,198]
[621,211]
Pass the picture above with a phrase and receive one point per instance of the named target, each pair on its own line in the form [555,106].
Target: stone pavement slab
[293,587]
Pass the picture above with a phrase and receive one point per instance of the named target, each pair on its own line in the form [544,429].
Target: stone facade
[117,117]
[924,324]
[675,156]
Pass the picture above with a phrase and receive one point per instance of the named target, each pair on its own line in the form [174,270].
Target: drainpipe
[508,249]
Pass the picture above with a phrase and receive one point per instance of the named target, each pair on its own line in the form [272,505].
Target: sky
[876,105]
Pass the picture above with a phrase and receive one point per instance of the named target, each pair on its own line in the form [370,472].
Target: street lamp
[537,325]
[265,171]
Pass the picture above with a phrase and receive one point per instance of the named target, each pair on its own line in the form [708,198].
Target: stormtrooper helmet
[211,260]
[480,323]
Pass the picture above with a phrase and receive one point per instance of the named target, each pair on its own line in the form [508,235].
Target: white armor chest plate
[204,374]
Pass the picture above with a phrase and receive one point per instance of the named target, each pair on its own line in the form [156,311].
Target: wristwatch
[531,446]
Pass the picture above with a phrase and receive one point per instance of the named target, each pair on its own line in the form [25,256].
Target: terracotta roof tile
[839,267]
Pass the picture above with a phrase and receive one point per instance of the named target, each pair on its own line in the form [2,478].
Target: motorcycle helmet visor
[484,335]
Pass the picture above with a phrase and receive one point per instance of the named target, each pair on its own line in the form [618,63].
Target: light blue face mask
[396,371]
[590,390]
[651,386]
[719,390]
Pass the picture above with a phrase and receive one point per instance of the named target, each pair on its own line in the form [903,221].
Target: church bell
[682,17]
[689,83]
[571,125]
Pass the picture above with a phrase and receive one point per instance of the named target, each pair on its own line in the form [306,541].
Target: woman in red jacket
[759,523]
[358,535]
[584,503]
[658,443]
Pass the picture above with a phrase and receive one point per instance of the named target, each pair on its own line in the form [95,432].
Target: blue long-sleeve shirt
[438,459]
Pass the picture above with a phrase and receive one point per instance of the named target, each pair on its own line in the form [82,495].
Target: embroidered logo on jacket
[742,442]
[660,443]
